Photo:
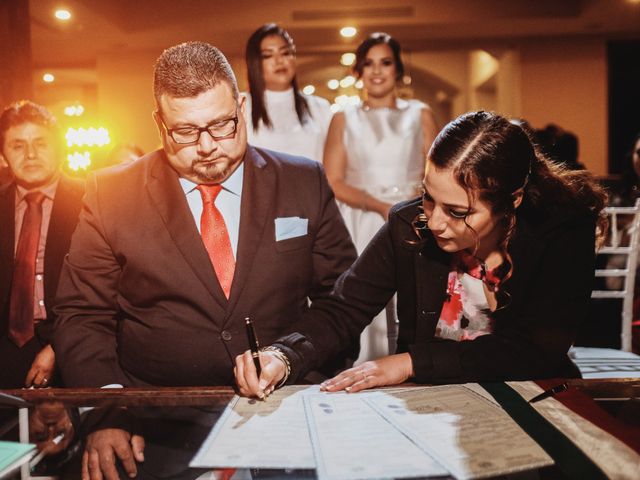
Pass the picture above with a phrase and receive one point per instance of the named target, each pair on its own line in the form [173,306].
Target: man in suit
[174,251]
[39,210]
[31,147]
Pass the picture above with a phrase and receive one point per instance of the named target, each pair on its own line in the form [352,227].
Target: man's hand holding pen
[259,371]
[249,383]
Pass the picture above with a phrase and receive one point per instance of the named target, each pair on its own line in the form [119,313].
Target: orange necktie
[216,238]
[24,272]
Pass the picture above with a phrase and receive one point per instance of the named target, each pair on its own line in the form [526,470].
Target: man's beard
[212,172]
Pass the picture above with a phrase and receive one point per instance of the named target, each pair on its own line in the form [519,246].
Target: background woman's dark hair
[496,158]
[630,183]
[372,40]
[253,57]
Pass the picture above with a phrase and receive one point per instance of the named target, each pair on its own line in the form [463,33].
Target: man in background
[39,209]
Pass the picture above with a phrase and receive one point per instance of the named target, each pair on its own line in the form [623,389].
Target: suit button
[226,335]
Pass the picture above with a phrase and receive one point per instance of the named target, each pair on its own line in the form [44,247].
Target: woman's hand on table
[390,370]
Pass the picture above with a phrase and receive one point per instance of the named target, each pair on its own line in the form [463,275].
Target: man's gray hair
[189,69]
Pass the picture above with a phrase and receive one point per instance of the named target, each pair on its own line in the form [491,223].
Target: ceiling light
[62,14]
[308,90]
[347,59]
[48,77]
[348,32]
[359,84]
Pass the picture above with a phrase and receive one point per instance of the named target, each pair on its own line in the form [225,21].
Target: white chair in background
[621,250]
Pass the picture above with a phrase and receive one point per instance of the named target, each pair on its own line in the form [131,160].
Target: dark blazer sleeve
[84,336]
[333,250]
[334,323]
[550,291]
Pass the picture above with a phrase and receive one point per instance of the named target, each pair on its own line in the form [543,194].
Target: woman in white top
[375,157]
[279,117]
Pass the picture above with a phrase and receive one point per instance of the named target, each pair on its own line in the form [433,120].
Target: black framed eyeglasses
[218,130]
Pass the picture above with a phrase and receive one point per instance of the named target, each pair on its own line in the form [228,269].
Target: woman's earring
[420,224]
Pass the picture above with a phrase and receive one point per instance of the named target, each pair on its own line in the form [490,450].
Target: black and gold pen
[253,345]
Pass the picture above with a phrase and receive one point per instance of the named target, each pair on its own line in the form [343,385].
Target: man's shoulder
[72,185]
[284,161]
[130,172]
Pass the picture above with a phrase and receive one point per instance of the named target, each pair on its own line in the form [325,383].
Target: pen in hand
[253,345]
[550,393]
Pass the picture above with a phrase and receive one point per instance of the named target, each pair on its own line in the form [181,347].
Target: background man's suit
[64,217]
[139,302]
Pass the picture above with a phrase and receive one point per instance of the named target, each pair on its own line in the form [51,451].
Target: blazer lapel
[169,200]
[64,218]
[7,234]
[258,191]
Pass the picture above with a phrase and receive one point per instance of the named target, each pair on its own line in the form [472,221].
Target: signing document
[260,434]
[394,433]
[469,435]
[352,441]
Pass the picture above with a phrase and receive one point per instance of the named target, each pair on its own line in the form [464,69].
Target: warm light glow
[359,84]
[347,59]
[348,32]
[48,77]
[406,80]
[441,96]
[62,14]
[333,84]
[87,137]
[335,108]
[73,110]
[347,81]
[344,100]
[308,90]
[79,160]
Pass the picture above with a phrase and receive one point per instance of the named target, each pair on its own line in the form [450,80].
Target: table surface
[173,403]
[598,389]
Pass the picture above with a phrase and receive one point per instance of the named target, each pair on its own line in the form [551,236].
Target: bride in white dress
[374,157]
[279,116]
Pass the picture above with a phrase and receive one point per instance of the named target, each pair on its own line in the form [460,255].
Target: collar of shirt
[48,190]
[228,203]
[233,184]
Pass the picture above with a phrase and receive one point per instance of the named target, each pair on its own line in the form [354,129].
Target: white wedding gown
[385,157]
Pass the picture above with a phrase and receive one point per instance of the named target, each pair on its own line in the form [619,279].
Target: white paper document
[260,434]
[351,441]
[469,435]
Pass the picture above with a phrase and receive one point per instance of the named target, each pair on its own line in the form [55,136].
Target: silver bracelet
[280,355]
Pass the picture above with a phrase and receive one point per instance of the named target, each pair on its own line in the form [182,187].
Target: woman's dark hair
[494,159]
[253,57]
[630,182]
[371,41]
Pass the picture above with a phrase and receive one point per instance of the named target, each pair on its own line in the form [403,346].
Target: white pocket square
[290,227]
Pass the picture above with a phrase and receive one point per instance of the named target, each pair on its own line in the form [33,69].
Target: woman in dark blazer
[493,268]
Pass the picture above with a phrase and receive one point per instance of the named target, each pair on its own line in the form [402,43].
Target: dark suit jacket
[139,302]
[548,296]
[64,218]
